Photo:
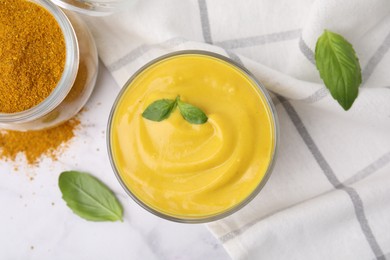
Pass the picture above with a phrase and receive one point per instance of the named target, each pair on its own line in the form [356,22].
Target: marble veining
[36,224]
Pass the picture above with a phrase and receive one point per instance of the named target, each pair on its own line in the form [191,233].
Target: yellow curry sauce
[186,170]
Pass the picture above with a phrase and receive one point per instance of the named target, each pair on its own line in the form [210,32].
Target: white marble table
[35,223]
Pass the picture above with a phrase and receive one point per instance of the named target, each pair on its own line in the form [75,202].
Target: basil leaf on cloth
[339,67]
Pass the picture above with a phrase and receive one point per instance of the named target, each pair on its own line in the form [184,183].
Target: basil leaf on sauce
[88,197]
[162,109]
[159,110]
[339,67]
[191,113]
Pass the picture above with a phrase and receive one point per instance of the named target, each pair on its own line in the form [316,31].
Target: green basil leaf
[88,197]
[339,67]
[162,109]
[191,113]
[159,110]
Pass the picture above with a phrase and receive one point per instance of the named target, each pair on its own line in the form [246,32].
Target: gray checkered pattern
[328,197]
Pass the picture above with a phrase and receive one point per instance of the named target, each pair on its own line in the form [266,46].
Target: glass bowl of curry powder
[95,7]
[48,64]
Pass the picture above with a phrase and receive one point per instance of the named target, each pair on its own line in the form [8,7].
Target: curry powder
[32,55]
[35,144]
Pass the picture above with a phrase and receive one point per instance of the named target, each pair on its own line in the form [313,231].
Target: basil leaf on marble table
[88,197]
[339,67]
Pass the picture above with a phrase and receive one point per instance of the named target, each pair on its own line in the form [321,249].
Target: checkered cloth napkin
[329,194]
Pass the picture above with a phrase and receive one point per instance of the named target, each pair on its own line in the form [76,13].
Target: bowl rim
[94,7]
[245,201]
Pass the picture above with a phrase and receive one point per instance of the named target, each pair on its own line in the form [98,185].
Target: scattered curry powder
[32,55]
[34,144]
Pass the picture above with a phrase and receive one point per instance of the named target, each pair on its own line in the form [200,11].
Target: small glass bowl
[77,81]
[206,218]
[95,7]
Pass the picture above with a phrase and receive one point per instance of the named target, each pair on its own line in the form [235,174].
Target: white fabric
[328,197]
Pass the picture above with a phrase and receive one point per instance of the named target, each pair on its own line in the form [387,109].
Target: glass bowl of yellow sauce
[193,173]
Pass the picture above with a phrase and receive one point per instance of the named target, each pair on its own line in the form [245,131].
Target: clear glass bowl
[206,218]
[95,7]
[77,81]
